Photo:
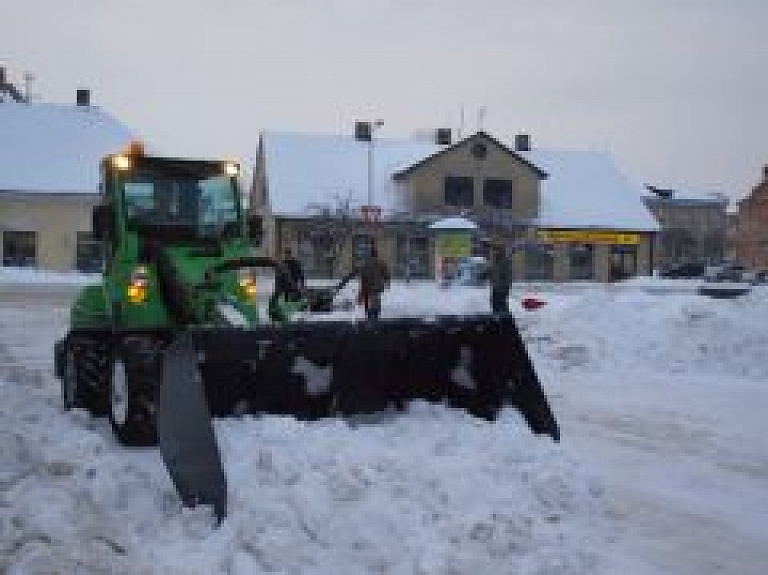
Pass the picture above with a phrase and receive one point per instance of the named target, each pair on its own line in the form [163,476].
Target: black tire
[131,399]
[73,388]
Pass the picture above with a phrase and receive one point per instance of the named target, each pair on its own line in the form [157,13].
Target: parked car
[756,277]
[684,270]
[727,272]
[471,271]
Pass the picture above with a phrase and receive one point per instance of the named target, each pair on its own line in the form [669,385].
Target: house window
[497,193]
[88,255]
[459,191]
[19,248]
[582,259]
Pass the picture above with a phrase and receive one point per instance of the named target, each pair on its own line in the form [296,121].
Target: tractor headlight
[137,288]
[121,162]
[247,284]
[231,169]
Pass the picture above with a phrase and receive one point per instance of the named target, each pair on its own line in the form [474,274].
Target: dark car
[727,272]
[685,270]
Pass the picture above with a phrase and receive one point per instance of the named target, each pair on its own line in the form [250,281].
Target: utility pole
[374,126]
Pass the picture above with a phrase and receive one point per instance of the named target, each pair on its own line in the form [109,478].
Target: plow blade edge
[185,433]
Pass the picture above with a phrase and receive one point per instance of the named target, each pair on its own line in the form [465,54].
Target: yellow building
[49,180]
[562,215]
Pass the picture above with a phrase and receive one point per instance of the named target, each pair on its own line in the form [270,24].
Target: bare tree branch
[331,228]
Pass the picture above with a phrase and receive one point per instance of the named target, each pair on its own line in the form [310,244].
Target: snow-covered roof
[306,170]
[583,189]
[587,190]
[453,223]
[675,195]
[55,148]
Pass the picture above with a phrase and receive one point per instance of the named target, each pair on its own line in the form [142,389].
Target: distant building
[562,215]
[693,227]
[749,234]
[49,179]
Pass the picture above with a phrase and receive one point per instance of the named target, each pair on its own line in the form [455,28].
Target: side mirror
[256,228]
[102,222]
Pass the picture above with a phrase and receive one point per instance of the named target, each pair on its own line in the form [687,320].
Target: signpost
[453,242]
[371,214]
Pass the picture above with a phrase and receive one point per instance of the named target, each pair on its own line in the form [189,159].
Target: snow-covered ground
[662,468]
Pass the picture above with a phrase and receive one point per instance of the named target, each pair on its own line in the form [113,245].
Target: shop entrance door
[623,262]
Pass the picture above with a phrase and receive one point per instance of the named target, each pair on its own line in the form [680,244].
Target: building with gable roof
[693,227]
[49,179]
[561,215]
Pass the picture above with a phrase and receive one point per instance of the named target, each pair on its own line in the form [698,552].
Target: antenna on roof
[461,122]
[480,118]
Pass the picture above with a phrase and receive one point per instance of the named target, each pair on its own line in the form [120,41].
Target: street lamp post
[374,126]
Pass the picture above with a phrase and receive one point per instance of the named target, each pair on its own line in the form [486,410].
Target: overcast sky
[677,90]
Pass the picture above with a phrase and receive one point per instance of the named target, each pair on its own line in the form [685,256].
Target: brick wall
[749,236]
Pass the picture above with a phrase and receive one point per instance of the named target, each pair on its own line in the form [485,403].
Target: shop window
[459,191]
[498,193]
[582,260]
[623,262]
[539,263]
[88,255]
[413,257]
[19,248]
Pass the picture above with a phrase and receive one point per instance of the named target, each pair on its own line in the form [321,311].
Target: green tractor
[174,334]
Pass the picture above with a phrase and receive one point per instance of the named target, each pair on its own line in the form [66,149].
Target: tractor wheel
[73,393]
[131,411]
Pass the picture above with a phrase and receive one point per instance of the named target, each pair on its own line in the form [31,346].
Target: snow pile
[34,276]
[425,492]
[662,467]
[429,491]
[635,330]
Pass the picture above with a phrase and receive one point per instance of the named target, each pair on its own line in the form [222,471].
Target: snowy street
[662,467]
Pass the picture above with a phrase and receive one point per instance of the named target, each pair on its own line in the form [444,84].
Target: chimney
[443,136]
[9,89]
[522,143]
[363,131]
[83,97]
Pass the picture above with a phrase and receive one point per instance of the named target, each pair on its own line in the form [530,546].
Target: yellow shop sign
[587,237]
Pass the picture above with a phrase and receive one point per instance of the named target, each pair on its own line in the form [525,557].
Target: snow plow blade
[328,368]
[185,434]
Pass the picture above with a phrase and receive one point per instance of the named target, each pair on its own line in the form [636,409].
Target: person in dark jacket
[500,277]
[291,276]
[374,279]
[289,283]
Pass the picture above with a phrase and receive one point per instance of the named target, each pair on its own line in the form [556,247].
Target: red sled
[531,303]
